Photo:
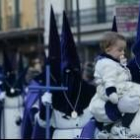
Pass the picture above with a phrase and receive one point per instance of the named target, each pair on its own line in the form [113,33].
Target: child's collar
[109,56]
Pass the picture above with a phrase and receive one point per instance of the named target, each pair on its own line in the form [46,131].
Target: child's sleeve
[108,71]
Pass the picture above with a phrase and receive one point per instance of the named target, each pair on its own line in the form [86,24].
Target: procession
[70,69]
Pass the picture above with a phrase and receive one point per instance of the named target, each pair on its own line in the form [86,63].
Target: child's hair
[109,39]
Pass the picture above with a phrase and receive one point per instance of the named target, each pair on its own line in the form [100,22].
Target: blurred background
[23,23]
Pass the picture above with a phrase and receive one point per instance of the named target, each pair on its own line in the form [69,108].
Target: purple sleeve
[112,111]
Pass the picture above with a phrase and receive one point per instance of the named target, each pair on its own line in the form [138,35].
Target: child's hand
[123,60]
[113,98]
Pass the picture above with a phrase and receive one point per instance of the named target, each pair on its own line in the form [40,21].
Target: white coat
[67,128]
[13,109]
[109,73]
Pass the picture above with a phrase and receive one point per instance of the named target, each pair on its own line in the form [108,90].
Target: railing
[87,16]
[13,21]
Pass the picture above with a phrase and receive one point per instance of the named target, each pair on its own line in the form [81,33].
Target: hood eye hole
[76,69]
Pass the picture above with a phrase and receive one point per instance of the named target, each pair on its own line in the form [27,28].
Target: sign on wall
[127,12]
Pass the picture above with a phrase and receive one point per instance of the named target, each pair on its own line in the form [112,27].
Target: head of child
[114,45]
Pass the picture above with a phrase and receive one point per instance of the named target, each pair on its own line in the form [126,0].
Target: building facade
[89,19]
[23,14]
[20,26]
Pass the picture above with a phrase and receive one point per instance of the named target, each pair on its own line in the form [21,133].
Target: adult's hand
[129,104]
[46,98]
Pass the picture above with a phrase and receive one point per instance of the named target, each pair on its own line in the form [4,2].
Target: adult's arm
[134,69]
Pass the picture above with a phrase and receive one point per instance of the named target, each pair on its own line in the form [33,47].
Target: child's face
[117,50]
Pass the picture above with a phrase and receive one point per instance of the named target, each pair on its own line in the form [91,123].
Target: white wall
[58,5]
[110,2]
[84,4]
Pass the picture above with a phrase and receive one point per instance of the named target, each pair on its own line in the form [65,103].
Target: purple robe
[88,130]
[29,112]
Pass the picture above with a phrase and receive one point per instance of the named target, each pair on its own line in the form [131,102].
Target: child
[112,77]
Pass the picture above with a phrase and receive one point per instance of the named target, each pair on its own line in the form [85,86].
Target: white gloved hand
[113,98]
[129,104]
[46,98]
[26,90]
[2,95]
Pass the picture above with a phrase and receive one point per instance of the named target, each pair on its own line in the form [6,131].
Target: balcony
[88,16]
[11,22]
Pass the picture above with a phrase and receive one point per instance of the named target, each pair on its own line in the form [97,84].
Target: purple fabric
[38,132]
[70,58]
[112,111]
[136,46]
[26,126]
[88,130]
[114,25]
[27,123]
[31,97]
